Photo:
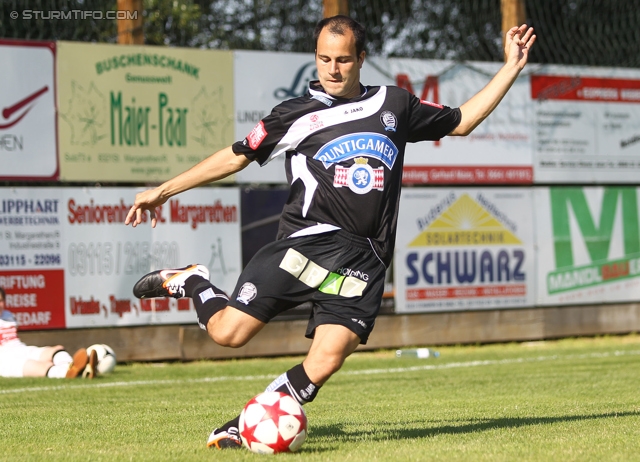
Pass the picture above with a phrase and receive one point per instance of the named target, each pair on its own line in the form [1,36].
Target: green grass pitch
[574,399]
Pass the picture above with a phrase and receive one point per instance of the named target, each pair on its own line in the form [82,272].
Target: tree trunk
[335,7]
[130,20]
[513,14]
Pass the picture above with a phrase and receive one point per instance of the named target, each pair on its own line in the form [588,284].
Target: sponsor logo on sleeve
[429,103]
[257,135]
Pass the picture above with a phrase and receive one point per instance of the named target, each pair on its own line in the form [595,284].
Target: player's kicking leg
[193,281]
[169,282]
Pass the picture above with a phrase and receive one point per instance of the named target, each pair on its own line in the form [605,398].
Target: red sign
[35,297]
[451,174]
[467,292]
[576,88]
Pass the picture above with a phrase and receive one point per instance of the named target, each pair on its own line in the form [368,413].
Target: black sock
[207,299]
[191,283]
[295,383]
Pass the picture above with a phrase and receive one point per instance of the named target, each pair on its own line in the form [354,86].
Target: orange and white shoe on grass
[91,369]
[221,439]
[79,363]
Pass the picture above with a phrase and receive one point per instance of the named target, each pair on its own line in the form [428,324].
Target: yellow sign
[140,113]
[465,223]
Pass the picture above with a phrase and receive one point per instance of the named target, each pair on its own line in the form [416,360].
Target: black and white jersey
[344,158]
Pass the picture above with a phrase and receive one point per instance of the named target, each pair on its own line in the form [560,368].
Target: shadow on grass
[426,429]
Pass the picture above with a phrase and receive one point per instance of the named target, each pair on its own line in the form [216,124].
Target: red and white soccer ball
[273,422]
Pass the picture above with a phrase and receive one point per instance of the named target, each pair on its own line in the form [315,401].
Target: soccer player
[344,146]
[20,360]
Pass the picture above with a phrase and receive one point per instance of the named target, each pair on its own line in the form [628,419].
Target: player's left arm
[518,42]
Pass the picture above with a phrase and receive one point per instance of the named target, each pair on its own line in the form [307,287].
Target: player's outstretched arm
[518,43]
[215,167]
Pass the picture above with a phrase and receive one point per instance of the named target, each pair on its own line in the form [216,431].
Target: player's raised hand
[146,200]
[517,44]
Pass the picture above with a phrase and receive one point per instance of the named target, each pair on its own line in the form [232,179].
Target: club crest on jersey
[389,121]
[367,144]
[360,177]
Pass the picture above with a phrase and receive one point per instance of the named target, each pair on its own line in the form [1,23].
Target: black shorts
[336,271]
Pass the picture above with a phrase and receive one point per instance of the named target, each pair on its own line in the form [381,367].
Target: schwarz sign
[464,249]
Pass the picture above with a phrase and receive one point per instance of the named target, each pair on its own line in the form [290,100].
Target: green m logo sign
[597,236]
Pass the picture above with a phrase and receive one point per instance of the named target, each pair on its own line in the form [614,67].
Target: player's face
[338,65]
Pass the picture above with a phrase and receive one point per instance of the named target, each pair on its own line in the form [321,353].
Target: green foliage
[273,25]
[432,29]
[579,32]
[169,22]
[586,32]
[58,20]
[565,400]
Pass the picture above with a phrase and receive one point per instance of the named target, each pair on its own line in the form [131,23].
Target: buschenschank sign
[464,249]
[144,114]
[594,244]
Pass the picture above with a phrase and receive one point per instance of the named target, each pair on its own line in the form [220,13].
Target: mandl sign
[591,251]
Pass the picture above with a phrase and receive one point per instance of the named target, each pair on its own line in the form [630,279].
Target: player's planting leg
[332,344]
[227,436]
[295,383]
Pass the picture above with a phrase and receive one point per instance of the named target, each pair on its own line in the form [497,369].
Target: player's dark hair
[3,293]
[338,25]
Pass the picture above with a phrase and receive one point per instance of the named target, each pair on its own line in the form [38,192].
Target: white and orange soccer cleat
[168,282]
[221,439]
